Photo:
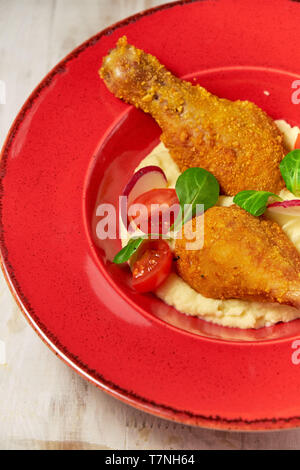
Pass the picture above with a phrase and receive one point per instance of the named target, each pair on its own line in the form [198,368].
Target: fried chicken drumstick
[243,257]
[236,141]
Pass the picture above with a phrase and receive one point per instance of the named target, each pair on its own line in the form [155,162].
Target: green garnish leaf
[290,170]
[128,250]
[254,202]
[196,186]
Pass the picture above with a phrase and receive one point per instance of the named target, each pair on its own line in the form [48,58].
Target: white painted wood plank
[43,404]
[24,33]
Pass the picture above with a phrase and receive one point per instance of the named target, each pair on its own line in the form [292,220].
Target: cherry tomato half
[297,144]
[152,266]
[160,208]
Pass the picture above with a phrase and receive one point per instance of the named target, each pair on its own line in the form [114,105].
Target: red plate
[72,137]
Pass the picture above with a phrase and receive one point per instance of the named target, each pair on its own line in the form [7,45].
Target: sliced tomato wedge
[297,144]
[153,265]
[160,208]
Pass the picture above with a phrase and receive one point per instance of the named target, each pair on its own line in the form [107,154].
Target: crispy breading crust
[243,257]
[236,141]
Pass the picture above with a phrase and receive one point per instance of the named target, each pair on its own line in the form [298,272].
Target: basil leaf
[290,170]
[254,202]
[196,186]
[128,250]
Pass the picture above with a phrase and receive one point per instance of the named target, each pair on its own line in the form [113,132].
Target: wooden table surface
[43,403]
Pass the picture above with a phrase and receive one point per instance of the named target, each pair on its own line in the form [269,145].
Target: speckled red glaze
[73,136]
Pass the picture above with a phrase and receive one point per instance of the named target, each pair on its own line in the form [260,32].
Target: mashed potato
[232,313]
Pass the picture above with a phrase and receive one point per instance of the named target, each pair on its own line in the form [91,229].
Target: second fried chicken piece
[236,141]
[243,257]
